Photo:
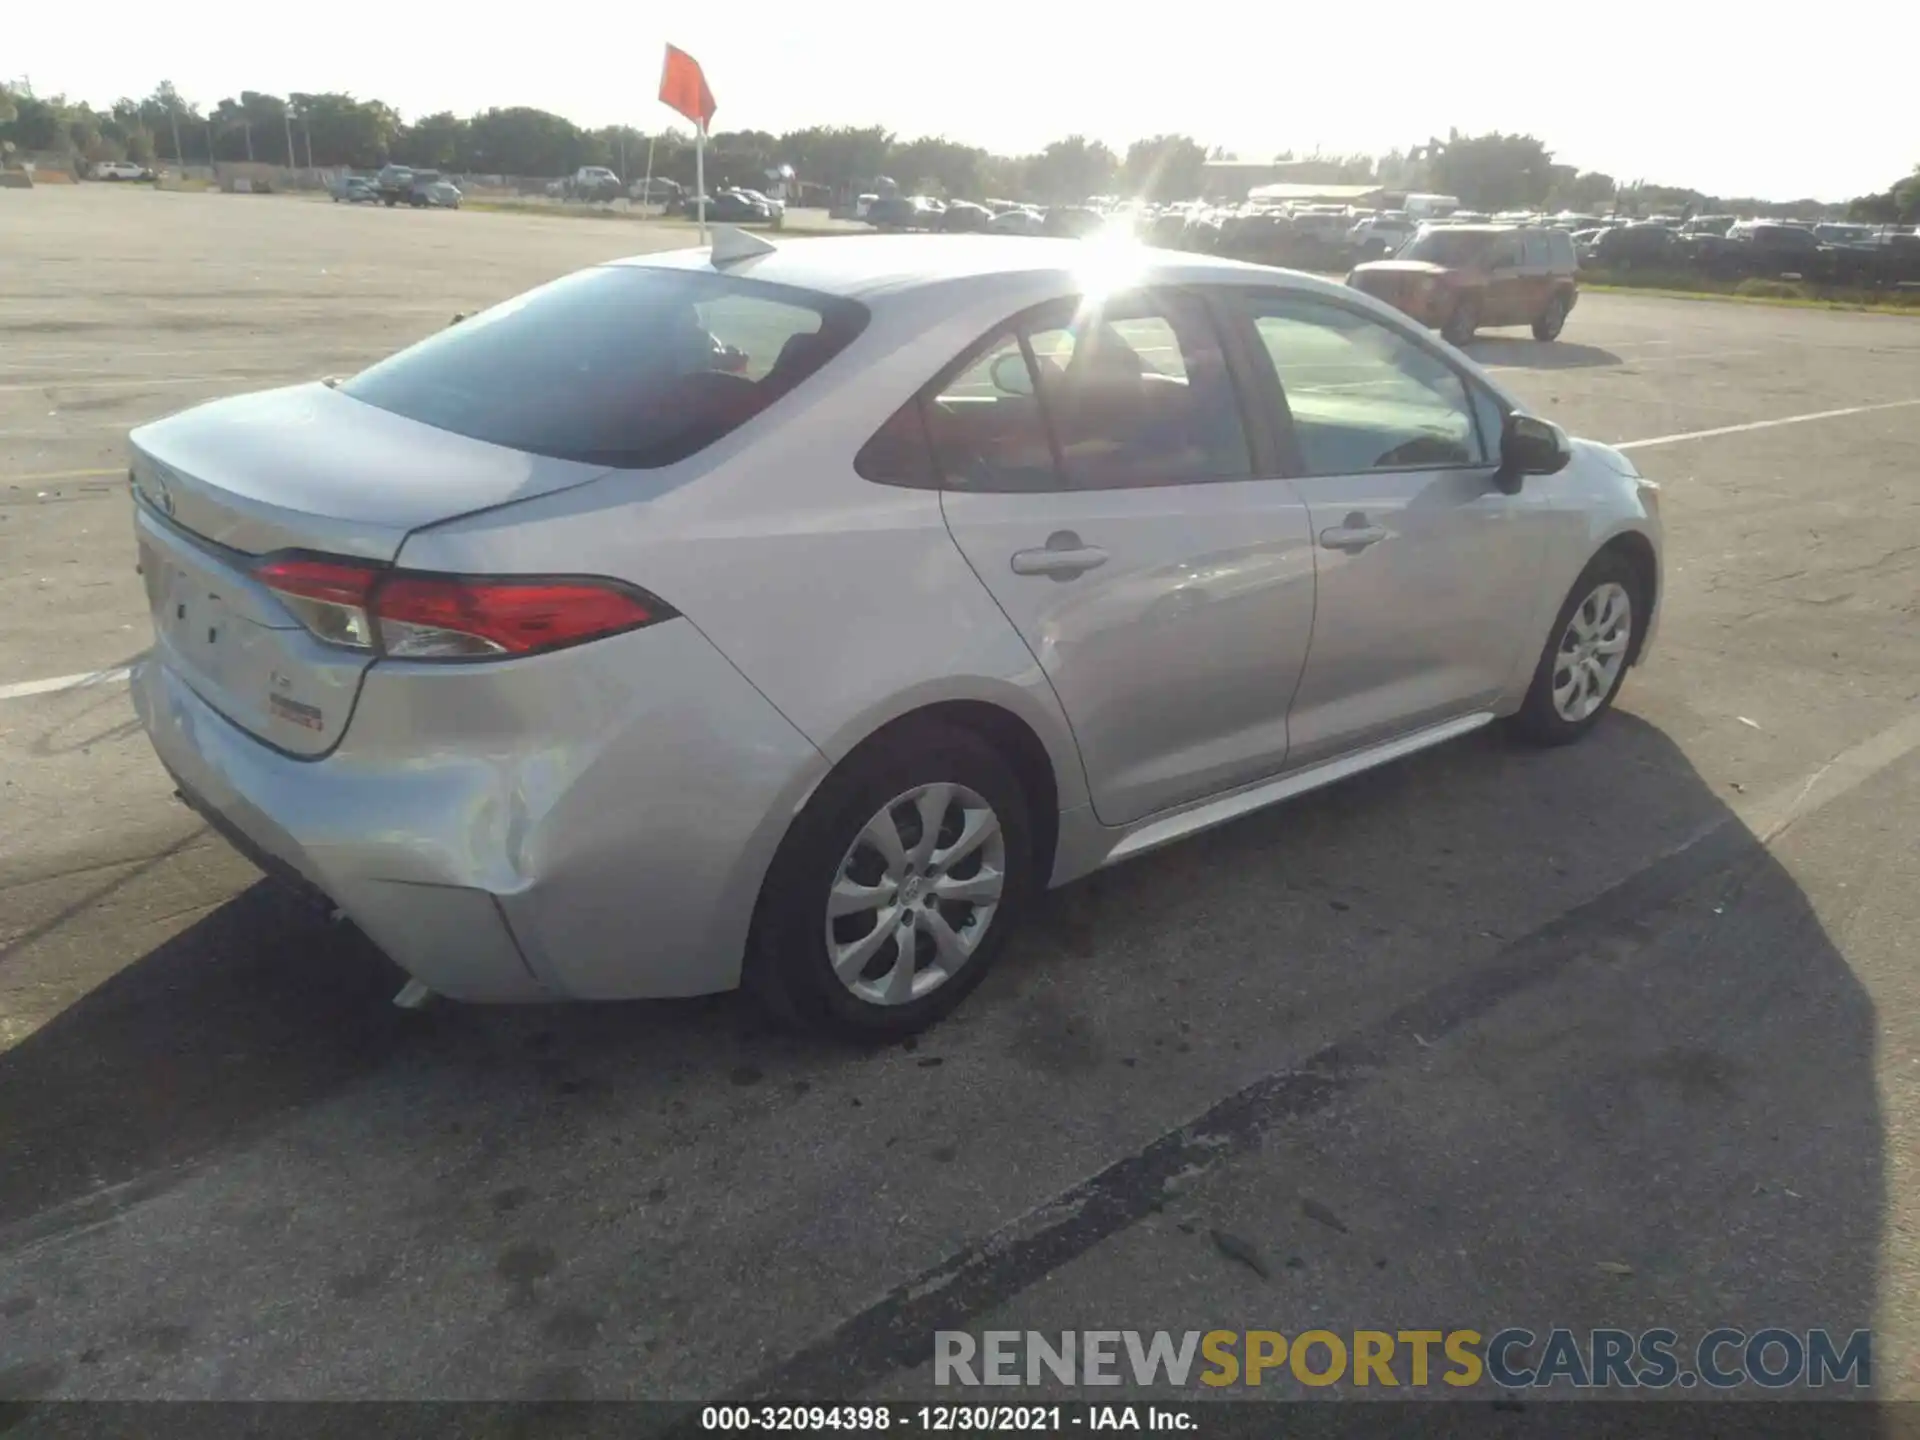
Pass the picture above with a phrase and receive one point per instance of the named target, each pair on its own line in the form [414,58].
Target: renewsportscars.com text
[1513,1358]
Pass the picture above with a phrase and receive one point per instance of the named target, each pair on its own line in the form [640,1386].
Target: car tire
[1552,320]
[790,965]
[1587,629]
[1465,319]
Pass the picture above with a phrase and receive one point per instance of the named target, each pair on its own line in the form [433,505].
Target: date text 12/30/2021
[945,1419]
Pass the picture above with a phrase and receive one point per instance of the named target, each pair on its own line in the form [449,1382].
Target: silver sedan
[790,616]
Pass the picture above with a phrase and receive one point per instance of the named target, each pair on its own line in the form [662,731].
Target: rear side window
[1533,249]
[1131,393]
[899,452]
[986,425]
[624,366]
[1560,249]
[1138,394]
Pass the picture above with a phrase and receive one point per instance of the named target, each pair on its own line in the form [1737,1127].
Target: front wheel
[1586,655]
[895,889]
[1464,320]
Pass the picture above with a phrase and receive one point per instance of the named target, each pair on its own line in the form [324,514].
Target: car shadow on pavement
[1538,355]
[1598,1021]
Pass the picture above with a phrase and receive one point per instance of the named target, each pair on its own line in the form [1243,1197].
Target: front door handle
[1353,534]
[1063,558]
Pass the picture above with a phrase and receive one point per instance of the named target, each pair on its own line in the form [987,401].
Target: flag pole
[646,195]
[700,175]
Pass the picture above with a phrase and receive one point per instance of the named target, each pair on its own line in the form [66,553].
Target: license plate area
[191,612]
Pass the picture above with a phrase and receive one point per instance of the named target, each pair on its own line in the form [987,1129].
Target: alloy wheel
[1592,651]
[915,894]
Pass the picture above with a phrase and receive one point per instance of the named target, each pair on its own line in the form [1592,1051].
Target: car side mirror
[1010,375]
[1530,446]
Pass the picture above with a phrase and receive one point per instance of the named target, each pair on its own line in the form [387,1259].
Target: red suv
[1463,277]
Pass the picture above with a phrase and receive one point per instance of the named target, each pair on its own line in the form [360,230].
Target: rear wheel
[1464,320]
[895,889]
[1586,655]
[1552,320]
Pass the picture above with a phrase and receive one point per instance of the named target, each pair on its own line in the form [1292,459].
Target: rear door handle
[1353,534]
[1064,557]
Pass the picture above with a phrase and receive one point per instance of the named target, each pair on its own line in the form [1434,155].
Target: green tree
[1070,170]
[1491,172]
[524,141]
[343,130]
[433,142]
[1164,168]
[1580,190]
[842,156]
[935,165]
[37,124]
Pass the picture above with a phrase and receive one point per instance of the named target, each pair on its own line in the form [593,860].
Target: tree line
[1491,172]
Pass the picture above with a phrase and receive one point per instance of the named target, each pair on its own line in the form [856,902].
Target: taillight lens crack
[415,615]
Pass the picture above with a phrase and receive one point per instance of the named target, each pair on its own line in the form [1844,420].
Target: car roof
[862,267]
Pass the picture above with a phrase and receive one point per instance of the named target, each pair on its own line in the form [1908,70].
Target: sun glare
[1112,259]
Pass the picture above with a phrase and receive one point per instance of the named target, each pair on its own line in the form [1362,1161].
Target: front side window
[625,366]
[1362,396]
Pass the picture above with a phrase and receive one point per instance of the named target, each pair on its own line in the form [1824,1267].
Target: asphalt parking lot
[1626,1034]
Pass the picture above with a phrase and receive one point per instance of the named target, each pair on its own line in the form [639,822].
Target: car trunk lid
[304,469]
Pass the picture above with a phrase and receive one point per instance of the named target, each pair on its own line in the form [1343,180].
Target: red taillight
[448,617]
[329,597]
[419,614]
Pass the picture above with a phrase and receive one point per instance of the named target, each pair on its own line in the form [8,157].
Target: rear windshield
[1448,247]
[623,365]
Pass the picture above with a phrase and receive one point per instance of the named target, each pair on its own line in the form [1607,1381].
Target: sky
[1674,93]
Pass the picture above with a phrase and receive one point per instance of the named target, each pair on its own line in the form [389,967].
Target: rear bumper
[589,824]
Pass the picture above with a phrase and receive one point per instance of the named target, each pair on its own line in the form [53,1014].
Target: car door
[1535,282]
[1505,300]
[1100,476]
[1426,568]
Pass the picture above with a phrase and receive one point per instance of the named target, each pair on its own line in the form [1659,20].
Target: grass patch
[1800,294]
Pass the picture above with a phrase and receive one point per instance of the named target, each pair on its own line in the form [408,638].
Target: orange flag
[683,85]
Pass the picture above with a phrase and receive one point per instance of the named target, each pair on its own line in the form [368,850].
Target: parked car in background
[1460,278]
[1072,220]
[119,170]
[394,183]
[543,686]
[904,212]
[1767,247]
[738,207]
[594,183]
[656,191]
[1019,220]
[965,215]
[1634,247]
[777,209]
[437,195]
[354,190]
[1379,236]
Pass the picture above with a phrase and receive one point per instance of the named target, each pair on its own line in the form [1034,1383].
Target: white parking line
[1763,424]
[64,682]
[125,384]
